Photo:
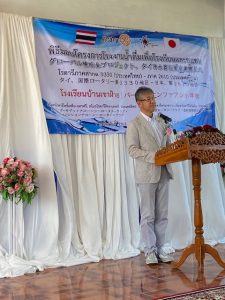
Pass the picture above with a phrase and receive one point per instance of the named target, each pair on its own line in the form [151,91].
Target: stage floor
[122,279]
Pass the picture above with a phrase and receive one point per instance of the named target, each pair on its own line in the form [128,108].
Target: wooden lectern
[207,147]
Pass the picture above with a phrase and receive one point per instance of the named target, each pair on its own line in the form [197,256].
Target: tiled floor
[122,279]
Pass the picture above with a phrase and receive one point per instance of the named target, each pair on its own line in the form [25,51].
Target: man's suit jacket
[142,146]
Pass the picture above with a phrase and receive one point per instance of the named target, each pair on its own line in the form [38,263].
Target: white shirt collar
[148,118]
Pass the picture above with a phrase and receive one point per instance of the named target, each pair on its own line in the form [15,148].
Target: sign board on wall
[88,76]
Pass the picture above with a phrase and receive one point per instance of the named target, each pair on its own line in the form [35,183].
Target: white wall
[197,17]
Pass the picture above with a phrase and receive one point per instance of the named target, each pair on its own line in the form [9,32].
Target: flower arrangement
[17,180]
[199,130]
[195,131]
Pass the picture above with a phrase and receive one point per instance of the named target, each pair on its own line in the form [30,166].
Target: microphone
[165,118]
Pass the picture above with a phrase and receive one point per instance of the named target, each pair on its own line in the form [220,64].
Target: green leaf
[5,195]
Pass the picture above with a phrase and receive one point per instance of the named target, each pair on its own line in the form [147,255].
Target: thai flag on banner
[171,43]
[85,37]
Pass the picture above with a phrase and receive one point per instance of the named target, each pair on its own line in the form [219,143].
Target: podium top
[208,147]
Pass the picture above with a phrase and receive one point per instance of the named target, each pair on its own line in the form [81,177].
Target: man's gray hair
[141,90]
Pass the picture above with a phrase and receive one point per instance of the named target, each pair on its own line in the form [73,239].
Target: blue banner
[88,76]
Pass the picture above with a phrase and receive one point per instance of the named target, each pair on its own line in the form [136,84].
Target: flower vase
[15,227]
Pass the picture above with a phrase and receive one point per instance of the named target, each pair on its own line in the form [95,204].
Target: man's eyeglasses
[149,99]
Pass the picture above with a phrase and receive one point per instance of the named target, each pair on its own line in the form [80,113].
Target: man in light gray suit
[145,135]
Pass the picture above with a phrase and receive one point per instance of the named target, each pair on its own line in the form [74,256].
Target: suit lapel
[148,127]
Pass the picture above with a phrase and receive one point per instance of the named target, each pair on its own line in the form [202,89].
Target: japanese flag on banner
[171,43]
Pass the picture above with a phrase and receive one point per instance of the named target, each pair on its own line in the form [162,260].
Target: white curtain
[217,49]
[34,234]
[98,206]
[213,194]
[90,210]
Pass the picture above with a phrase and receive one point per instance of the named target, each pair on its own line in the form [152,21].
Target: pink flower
[11,190]
[5,160]
[4,172]
[22,167]
[1,187]
[20,173]
[15,164]
[30,188]
[17,186]
[1,179]
[29,165]
[169,131]
[27,181]
[10,162]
